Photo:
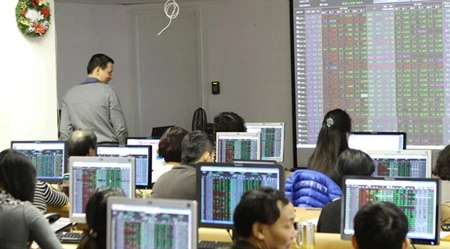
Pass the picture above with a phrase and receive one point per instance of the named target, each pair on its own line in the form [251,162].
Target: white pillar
[28,104]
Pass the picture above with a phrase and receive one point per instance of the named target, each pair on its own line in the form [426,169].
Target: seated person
[45,195]
[82,143]
[21,223]
[180,181]
[169,148]
[442,170]
[229,122]
[264,218]
[331,141]
[350,163]
[380,225]
[96,219]
[311,188]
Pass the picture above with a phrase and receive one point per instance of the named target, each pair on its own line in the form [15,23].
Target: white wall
[248,50]
[246,47]
[84,30]
[28,86]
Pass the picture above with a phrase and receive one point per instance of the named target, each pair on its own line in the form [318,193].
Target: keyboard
[213,244]
[70,237]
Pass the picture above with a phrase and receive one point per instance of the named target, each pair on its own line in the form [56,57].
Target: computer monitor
[157,161]
[151,223]
[143,159]
[158,131]
[49,158]
[402,163]
[237,145]
[221,185]
[419,198]
[272,139]
[87,174]
[366,141]
[243,162]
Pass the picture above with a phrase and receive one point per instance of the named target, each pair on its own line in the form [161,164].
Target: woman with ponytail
[331,142]
[96,218]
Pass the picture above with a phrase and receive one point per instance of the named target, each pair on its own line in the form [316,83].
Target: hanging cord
[175,10]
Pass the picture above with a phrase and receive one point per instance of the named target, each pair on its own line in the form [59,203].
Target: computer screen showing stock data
[141,153]
[221,185]
[238,145]
[272,139]
[418,198]
[49,158]
[385,62]
[157,160]
[91,174]
[402,163]
[151,223]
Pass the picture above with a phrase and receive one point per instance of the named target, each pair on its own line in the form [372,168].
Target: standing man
[94,105]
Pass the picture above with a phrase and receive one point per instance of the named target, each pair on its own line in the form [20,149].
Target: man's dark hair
[442,168]
[380,225]
[193,146]
[260,205]
[81,141]
[353,163]
[170,144]
[229,122]
[98,60]
[17,175]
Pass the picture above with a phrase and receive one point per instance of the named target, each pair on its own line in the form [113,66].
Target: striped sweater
[45,195]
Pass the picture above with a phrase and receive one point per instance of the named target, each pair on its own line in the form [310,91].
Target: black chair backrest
[199,120]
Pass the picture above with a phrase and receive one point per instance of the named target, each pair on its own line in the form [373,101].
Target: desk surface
[222,235]
[331,240]
[64,211]
[323,240]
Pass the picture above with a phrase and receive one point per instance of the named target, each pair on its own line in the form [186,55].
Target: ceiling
[117,1]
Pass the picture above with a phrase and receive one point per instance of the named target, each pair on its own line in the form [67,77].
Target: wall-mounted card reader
[215,87]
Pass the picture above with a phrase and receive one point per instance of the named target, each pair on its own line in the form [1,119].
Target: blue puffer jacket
[310,188]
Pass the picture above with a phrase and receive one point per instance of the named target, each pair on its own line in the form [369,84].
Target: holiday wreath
[33,17]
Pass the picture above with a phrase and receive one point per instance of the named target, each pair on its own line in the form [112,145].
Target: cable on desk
[171,15]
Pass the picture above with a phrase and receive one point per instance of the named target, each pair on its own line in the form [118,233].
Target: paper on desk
[444,234]
[61,223]
[64,219]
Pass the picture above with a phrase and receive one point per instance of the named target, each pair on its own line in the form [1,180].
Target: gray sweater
[22,223]
[177,183]
[96,107]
